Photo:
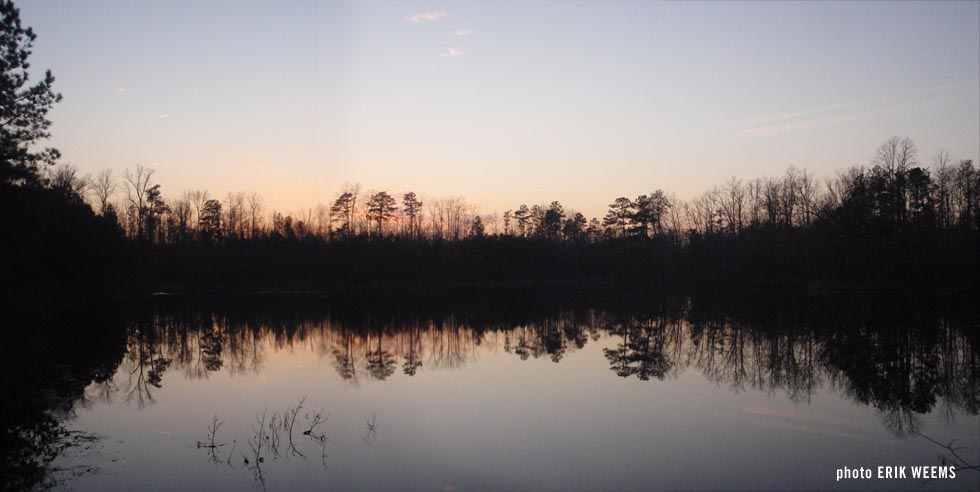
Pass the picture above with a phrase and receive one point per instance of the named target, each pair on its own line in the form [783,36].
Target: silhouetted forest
[893,223]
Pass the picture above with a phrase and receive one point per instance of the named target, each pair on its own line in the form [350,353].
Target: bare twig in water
[315,421]
[289,422]
[275,430]
[211,444]
[212,432]
[954,459]
[267,437]
[231,453]
[372,429]
[256,443]
[259,439]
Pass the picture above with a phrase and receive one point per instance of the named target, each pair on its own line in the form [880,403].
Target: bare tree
[790,196]
[455,209]
[322,216]
[66,178]
[733,204]
[773,197]
[756,200]
[492,223]
[808,196]
[703,211]
[966,193]
[103,187]
[137,192]
[254,206]
[896,154]
[674,219]
[198,198]
[942,164]
[437,218]
[181,214]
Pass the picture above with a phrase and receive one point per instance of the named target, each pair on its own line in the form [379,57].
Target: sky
[502,103]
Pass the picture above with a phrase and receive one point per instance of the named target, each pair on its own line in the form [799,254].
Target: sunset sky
[501,102]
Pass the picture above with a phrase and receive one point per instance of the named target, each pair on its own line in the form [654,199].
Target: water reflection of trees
[903,358]
[902,365]
[48,373]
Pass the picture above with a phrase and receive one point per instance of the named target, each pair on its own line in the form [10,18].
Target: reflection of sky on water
[490,409]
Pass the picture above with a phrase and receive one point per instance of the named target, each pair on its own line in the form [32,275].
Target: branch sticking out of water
[954,458]
[289,422]
[212,432]
[315,421]
[372,428]
[257,442]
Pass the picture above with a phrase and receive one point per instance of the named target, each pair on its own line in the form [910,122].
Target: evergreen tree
[23,107]
[381,208]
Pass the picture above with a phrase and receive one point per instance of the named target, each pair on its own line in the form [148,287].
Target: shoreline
[423,288]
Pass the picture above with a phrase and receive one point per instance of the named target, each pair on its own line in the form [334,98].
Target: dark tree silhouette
[619,215]
[413,211]
[575,226]
[23,107]
[380,209]
[551,221]
[210,220]
[342,211]
[51,241]
[523,216]
[477,230]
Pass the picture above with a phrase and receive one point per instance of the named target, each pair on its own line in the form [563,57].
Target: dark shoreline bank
[386,291]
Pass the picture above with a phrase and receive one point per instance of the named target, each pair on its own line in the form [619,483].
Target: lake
[457,390]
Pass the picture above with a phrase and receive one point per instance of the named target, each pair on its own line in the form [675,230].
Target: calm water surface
[541,390]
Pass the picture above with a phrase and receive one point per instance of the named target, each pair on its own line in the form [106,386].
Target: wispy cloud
[162,116]
[121,90]
[809,124]
[771,117]
[951,86]
[426,17]
[780,123]
[463,32]
[450,53]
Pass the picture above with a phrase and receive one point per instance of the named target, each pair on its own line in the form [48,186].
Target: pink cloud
[450,52]
[463,32]
[426,17]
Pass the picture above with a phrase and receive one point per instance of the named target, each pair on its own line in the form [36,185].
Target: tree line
[894,221]
[896,192]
